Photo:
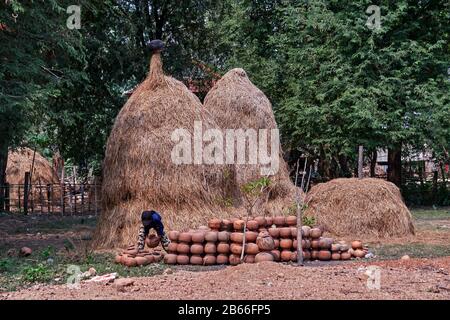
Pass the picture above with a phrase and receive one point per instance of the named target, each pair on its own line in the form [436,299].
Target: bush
[416,194]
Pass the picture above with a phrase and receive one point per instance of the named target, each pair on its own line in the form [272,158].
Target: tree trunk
[3,164]
[373,164]
[394,172]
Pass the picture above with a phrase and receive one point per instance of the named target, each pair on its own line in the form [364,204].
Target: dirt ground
[413,279]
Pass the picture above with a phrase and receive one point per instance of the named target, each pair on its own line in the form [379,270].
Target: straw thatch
[360,207]
[138,172]
[236,103]
[19,162]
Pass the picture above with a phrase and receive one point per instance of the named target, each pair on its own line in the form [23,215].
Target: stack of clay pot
[357,250]
[132,258]
[264,239]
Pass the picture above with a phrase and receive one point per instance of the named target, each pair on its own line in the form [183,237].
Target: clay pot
[265,241]
[183,259]
[335,256]
[234,259]
[131,251]
[130,261]
[315,244]
[324,255]
[237,237]
[198,237]
[197,249]
[344,247]
[357,245]
[315,233]
[335,247]
[173,235]
[150,258]
[251,248]
[152,240]
[261,221]
[346,255]
[183,248]
[185,237]
[158,256]
[236,248]
[226,225]
[286,255]
[170,258]
[295,243]
[264,256]
[250,236]
[276,255]
[358,253]
[214,223]
[325,243]
[223,248]
[285,232]
[279,221]
[140,261]
[294,232]
[172,248]
[269,221]
[306,244]
[250,258]
[252,225]
[222,259]
[314,254]
[210,248]
[306,231]
[238,225]
[286,244]
[306,255]
[276,243]
[196,260]
[209,260]
[118,258]
[291,221]
[223,236]
[211,236]
[274,232]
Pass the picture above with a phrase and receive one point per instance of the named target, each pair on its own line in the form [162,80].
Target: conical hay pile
[236,103]
[138,171]
[360,207]
[21,161]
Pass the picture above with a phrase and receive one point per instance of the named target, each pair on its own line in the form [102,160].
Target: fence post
[82,198]
[25,192]
[360,161]
[7,199]
[19,193]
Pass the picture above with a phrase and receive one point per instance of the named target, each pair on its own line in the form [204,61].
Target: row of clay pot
[252,223]
[132,258]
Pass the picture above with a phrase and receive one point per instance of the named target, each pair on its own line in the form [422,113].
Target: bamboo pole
[299,213]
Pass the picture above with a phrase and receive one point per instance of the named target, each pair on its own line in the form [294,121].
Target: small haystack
[360,207]
[236,103]
[138,171]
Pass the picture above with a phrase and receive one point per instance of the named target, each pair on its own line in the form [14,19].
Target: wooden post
[70,199]
[49,196]
[20,194]
[82,198]
[360,161]
[7,199]
[299,214]
[63,196]
[25,192]
[95,200]
[75,197]
[41,198]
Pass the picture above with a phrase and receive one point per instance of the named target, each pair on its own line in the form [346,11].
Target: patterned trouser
[141,238]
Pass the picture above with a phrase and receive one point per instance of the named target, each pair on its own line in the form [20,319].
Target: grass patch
[414,250]
[431,214]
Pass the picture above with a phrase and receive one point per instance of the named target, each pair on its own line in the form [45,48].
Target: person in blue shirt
[152,220]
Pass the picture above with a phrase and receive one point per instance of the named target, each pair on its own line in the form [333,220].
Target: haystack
[360,207]
[21,161]
[138,171]
[236,103]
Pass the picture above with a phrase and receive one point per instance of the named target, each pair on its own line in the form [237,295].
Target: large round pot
[306,231]
[226,225]
[170,258]
[251,249]
[324,255]
[173,235]
[357,245]
[198,237]
[335,247]
[196,260]
[237,237]
[223,236]
[236,248]
[285,232]
[276,243]
[185,237]
[250,258]
[172,248]
[315,233]
[252,225]
[152,240]
[261,221]
[157,256]
[214,223]
[251,236]
[264,256]
[294,232]
[150,258]
[211,236]
[286,255]
[118,258]
[269,222]
[279,221]
[140,260]
[130,261]
[335,256]
[197,249]
[222,259]
[315,244]
[234,259]
[265,241]
[183,259]
[238,225]
[274,232]
[358,253]
[344,247]
[286,244]
[276,254]
[210,248]
[291,221]
[209,260]
[295,243]
[183,248]
[306,255]
[223,248]
[346,255]
[314,254]
[325,243]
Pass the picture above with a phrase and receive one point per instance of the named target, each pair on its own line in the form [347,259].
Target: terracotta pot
[237,237]
[196,260]
[238,225]
[314,254]
[130,261]
[285,232]
[250,258]
[286,255]
[198,237]
[152,240]
[197,249]
[279,221]
[264,256]
[250,236]
[315,244]
[150,258]
[170,258]
[222,259]
[358,253]
[211,236]
[131,251]
[183,248]
[346,255]
[226,225]
[251,248]
[214,223]
[295,243]
[315,233]
[294,232]
[158,256]
[236,248]
[324,255]
[335,256]
[210,248]
[335,247]
[173,235]
[209,260]
[306,231]
[118,258]
[306,255]
[183,259]
[276,243]
[276,255]
[252,225]
[234,259]
[325,243]
[172,248]
[223,236]
[306,244]
[357,245]
[274,232]
[291,220]
[140,261]
[344,247]
[269,221]
[265,241]
[261,221]
[223,248]
[286,244]
[185,237]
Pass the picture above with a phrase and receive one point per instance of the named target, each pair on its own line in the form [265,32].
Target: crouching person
[152,220]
